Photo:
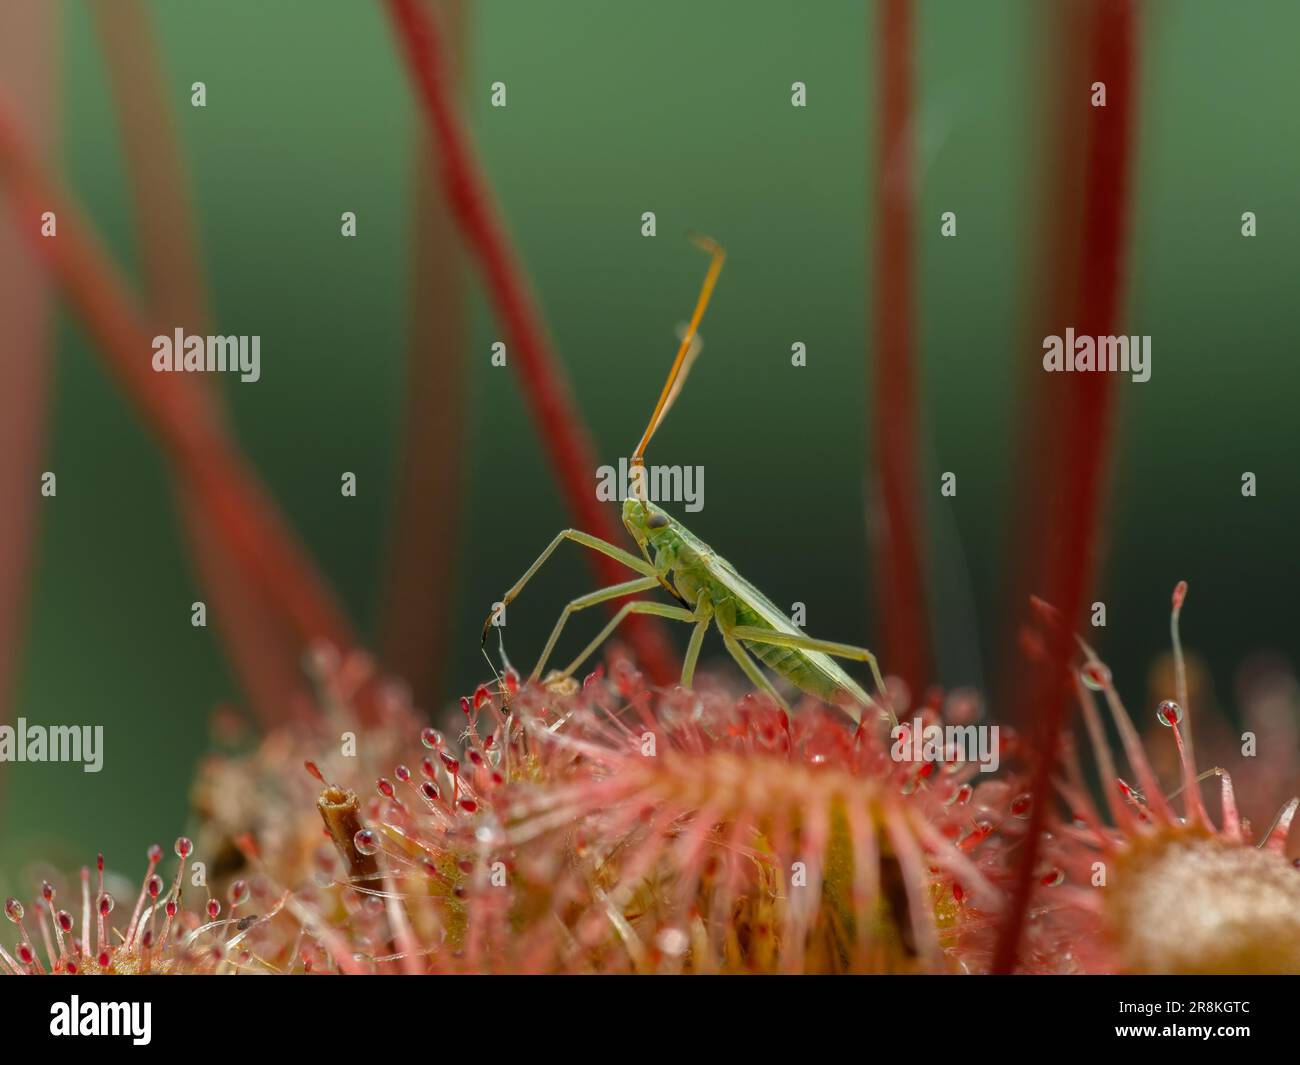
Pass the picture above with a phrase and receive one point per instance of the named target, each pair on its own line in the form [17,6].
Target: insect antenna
[686,352]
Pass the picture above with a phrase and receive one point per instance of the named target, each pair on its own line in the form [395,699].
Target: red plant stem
[545,386]
[900,574]
[1045,398]
[30,64]
[1086,427]
[250,629]
[172,405]
[422,556]
[164,218]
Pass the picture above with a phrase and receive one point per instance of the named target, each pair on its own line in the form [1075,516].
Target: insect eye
[657,521]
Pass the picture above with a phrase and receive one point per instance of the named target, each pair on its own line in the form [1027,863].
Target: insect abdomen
[798,667]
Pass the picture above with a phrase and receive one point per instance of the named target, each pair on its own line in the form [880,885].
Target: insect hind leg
[801,642]
[751,670]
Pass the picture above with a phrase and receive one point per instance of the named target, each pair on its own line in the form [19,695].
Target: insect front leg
[594,543]
[604,595]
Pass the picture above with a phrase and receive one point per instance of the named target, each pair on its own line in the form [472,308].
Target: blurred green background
[683,108]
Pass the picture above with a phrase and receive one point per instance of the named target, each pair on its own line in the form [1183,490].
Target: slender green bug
[707,588]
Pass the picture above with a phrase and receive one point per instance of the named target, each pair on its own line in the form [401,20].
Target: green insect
[707,587]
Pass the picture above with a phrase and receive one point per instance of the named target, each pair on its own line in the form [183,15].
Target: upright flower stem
[545,388]
[261,651]
[1086,424]
[424,539]
[30,64]
[1064,67]
[173,406]
[896,521]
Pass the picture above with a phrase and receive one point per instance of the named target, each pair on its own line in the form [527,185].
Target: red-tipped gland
[184,847]
[1133,796]
[154,885]
[214,909]
[13,910]
[313,769]
[1180,594]
[431,738]
[1095,676]
[1169,713]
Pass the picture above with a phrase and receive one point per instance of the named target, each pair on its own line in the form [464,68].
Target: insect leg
[827,647]
[595,543]
[604,595]
[751,670]
[640,606]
